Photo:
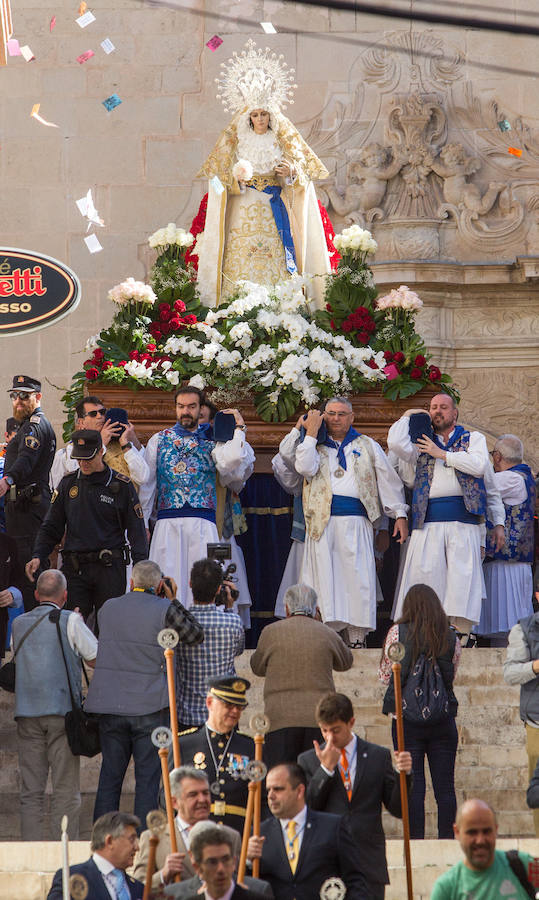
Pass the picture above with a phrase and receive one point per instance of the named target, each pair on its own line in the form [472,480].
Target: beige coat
[162,851]
[297,656]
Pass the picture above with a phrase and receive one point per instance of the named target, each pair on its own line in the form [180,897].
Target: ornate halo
[256,79]
[167,638]
[395,651]
[255,770]
[259,723]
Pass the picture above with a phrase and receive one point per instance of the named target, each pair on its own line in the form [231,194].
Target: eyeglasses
[93,413]
[21,395]
[214,861]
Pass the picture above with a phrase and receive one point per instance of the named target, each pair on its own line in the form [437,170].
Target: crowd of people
[110,513]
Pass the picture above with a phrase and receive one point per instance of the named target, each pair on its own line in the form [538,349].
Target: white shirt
[106,868]
[511,486]
[184,830]
[288,478]
[351,756]
[64,464]
[81,640]
[301,820]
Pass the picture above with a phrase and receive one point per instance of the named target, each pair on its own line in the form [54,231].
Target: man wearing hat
[95,507]
[27,464]
[221,751]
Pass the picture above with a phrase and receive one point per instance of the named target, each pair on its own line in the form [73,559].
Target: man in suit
[299,848]
[352,777]
[114,844]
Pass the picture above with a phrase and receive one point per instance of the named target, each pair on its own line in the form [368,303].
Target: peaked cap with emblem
[86,443]
[229,689]
[25,383]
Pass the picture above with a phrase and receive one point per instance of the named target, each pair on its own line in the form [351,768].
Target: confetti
[52,23]
[217,185]
[214,43]
[514,151]
[92,243]
[86,208]
[13,47]
[86,19]
[82,8]
[504,125]
[35,115]
[111,102]
[268,28]
[84,56]
[27,53]
[107,45]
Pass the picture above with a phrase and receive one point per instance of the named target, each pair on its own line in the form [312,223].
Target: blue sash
[282,223]
[204,432]
[187,512]
[350,436]
[457,433]
[347,506]
[450,509]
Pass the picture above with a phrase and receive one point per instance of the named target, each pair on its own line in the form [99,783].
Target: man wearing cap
[221,751]
[95,507]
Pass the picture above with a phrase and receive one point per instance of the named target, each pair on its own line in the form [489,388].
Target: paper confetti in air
[514,151]
[35,115]
[27,53]
[217,184]
[107,45]
[504,125]
[13,47]
[86,19]
[86,208]
[214,43]
[92,243]
[268,28]
[111,102]
[82,8]
[52,23]
[84,56]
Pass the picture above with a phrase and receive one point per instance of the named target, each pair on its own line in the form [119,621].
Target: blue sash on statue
[450,509]
[347,506]
[187,512]
[282,223]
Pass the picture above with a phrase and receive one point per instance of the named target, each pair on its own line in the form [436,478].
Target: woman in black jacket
[425,632]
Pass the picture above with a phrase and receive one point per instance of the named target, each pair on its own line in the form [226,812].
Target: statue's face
[260,120]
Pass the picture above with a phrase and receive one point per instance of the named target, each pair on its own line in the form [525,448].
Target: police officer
[95,506]
[221,751]
[27,464]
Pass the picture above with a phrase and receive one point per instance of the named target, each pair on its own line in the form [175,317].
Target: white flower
[291,368]
[138,370]
[173,377]
[226,359]
[91,343]
[209,352]
[400,298]
[198,382]
[273,396]
[242,170]
[263,355]
[241,335]
[131,290]
[267,379]
[169,236]
[166,365]
[324,364]
[355,238]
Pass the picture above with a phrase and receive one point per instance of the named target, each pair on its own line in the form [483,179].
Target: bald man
[485,873]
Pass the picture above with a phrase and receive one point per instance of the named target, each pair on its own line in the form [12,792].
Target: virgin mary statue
[263,222]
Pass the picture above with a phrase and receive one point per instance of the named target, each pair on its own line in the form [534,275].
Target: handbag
[7,672]
[82,728]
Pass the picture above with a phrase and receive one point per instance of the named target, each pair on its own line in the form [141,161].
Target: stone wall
[405,117]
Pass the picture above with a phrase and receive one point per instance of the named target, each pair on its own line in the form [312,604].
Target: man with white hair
[297,656]
[508,570]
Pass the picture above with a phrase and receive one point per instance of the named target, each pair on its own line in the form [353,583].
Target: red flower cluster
[96,364]
[434,373]
[361,322]
[170,319]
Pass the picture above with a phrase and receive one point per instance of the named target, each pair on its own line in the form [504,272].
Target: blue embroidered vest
[519,538]
[186,472]
[473,489]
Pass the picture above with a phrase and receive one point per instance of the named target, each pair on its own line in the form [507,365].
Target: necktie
[345,774]
[292,848]
[122,891]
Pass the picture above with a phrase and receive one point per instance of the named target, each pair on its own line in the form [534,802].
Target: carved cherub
[454,165]
[370,172]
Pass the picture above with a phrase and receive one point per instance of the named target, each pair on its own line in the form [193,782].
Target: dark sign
[35,291]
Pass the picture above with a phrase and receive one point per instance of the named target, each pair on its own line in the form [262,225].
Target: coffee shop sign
[35,291]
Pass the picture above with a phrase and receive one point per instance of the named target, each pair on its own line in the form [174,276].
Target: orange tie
[345,774]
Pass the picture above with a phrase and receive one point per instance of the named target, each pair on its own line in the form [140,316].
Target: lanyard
[290,842]
[221,758]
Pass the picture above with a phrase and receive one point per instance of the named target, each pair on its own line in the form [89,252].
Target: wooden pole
[259,743]
[396,667]
[163,755]
[171,682]
[154,840]
[246,831]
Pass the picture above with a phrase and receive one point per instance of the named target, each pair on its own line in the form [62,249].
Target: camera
[220,552]
[168,583]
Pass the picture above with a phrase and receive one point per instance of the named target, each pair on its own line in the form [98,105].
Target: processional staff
[162,738]
[156,822]
[167,639]
[255,771]
[260,725]
[395,653]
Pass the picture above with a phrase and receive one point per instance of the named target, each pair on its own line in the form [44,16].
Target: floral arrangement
[266,340]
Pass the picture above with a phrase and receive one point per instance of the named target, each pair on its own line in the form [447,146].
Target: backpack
[424,695]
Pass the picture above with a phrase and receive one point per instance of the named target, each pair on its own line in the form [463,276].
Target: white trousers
[291,575]
[341,568]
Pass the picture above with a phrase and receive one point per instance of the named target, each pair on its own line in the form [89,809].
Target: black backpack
[424,695]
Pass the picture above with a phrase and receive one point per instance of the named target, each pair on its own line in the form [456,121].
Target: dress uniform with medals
[95,510]
[223,757]
[27,463]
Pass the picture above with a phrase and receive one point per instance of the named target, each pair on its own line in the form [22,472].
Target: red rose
[122,363]
[144,356]
[416,373]
[179,306]
[98,354]
[151,347]
[362,310]
[371,364]
[363,337]
[399,357]
[92,374]
[190,319]
[134,355]
[88,362]
[155,330]
[174,322]
[332,325]
[347,326]
[329,307]
[107,365]
[419,360]
[434,373]
[165,313]
[388,356]
[165,327]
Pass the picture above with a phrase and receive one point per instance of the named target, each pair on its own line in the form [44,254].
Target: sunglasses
[20,395]
[95,412]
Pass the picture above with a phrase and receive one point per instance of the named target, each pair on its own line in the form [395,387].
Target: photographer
[129,687]
[224,639]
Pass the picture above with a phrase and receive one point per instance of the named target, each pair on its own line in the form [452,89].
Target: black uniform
[28,460]
[230,803]
[95,511]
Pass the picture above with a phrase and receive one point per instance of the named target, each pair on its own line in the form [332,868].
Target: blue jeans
[439,743]
[121,737]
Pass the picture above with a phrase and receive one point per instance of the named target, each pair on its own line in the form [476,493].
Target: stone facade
[404,116]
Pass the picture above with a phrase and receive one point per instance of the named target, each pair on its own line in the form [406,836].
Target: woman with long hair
[425,632]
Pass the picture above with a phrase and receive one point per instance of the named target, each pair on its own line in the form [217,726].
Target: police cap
[25,383]
[86,443]
[229,689]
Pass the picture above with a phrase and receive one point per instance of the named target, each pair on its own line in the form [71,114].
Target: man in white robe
[184,461]
[445,546]
[349,485]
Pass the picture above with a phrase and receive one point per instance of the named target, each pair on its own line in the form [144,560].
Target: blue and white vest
[473,489]
[519,537]
[186,475]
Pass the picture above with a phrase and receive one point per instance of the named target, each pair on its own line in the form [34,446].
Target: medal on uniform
[215,788]
[339,472]
[199,758]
